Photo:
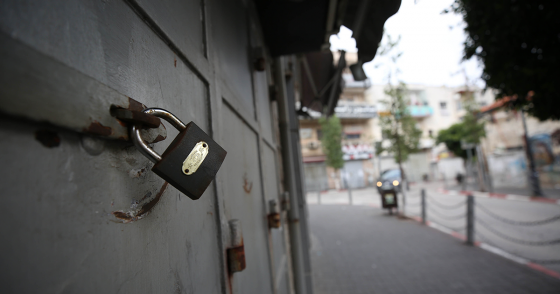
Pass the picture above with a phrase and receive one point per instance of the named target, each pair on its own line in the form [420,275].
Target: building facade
[505,148]
[355,114]
[434,109]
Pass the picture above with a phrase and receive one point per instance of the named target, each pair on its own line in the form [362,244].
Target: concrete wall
[448,168]
[508,169]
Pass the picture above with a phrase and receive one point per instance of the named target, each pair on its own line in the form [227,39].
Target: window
[384,135]
[352,136]
[392,173]
[305,133]
[443,107]
[319,134]
[417,97]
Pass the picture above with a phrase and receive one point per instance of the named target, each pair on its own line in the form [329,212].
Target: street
[512,226]
[361,249]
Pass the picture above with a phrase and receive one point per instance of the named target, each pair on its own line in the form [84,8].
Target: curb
[490,248]
[502,196]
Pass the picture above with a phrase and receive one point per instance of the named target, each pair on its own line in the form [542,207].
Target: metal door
[315,176]
[69,62]
[354,174]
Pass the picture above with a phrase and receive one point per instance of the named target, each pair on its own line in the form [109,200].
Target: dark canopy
[292,27]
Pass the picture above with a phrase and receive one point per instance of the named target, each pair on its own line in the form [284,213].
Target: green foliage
[399,127]
[331,141]
[451,137]
[519,43]
[469,130]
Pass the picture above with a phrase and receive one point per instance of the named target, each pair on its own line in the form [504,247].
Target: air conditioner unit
[313,145]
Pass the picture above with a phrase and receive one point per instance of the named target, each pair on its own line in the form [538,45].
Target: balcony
[419,111]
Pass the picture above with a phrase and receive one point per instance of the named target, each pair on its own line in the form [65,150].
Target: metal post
[533,174]
[403,204]
[379,164]
[481,180]
[470,220]
[469,168]
[349,189]
[423,194]
[487,179]
[350,196]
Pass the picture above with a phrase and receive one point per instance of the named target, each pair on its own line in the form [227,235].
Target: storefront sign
[357,151]
[355,111]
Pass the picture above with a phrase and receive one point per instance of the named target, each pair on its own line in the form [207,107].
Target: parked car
[390,179]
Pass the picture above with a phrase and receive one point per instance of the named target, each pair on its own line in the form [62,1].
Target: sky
[431,43]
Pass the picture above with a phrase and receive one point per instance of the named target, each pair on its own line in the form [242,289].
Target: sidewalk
[361,249]
[548,192]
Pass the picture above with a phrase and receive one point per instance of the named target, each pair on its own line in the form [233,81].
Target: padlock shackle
[141,144]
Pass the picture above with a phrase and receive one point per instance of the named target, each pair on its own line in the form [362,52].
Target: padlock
[191,161]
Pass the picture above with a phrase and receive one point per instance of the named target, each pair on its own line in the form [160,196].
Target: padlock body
[171,163]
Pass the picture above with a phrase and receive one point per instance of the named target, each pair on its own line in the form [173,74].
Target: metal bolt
[236,253]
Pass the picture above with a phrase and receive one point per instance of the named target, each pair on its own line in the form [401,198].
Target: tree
[518,42]
[399,127]
[331,141]
[469,130]
[451,137]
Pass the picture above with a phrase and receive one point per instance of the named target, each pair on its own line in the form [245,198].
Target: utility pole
[533,174]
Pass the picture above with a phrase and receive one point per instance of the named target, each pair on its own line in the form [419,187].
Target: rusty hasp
[96,128]
[274,220]
[236,258]
[132,113]
[236,253]
[135,117]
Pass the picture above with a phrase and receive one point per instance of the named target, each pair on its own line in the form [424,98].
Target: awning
[321,81]
[292,27]
[304,28]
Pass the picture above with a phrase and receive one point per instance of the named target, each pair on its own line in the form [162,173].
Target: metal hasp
[192,146]
[274,220]
[236,253]
[135,116]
